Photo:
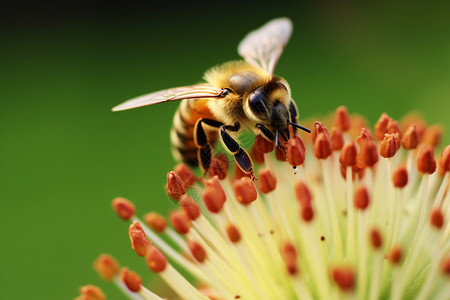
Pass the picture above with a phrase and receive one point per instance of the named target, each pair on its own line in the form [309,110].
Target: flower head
[344,215]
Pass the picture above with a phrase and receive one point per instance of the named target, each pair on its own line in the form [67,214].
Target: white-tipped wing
[203,90]
[263,47]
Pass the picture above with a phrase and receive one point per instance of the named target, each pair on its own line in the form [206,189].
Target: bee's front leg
[241,156]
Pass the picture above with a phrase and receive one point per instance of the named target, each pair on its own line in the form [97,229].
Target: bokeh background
[64,155]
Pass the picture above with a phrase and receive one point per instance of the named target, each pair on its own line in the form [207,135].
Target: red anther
[180,221]
[303,193]
[337,140]
[289,254]
[155,259]
[368,154]
[189,206]
[295,151]
[318,129]
[322,146]
[380,126]
[355,172]
[361,198]
[375,238]
[280,153]
[233,233]
[185,174]
[123,207]
[155,221]
[445,265]
[433,136]
[197,251]
[364,135]
[389,145]
[437,218]
[393,127]
[256,155]
[91,292]
[263,145]
[348,154]
[410,139]
[106,266]
[342,120]
[131,279]
[395,255]
[444,162]
[175,186]
[307,212]
[213,195]
[400,177]
[344,277]
[425,160]
[267,180]
[139,241]
[219,166]
[244,190]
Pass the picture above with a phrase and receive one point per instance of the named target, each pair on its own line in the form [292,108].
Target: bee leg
[204,147]
[293,111]
[241,156]
[266,132]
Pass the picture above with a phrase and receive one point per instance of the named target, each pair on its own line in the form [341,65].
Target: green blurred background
[64,155]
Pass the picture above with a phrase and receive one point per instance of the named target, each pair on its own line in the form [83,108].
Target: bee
[236,95]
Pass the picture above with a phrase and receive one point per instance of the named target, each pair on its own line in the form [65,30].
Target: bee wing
[263,46]
[186,92]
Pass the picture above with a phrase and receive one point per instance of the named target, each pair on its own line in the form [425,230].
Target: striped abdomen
[182,132]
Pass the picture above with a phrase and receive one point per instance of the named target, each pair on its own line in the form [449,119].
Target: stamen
[155,221]
[296,151]
[400,177]
[395,255]
[289,254]
[322,146]
[337,139]
[91,292]
[348,154]
[437,218]
[344,277]
[180,221]
[106,266]
[425,160]
[380,126]
[123,207]
[219,166]
[342,120]
[444,162]
[365,135]
[410,139]
[189,206]
[244,190]
[213,195]
[375,238]
[138,239]
[318,129]
[263,145]
[175,186]
[362,198]
[233,233]
[185,174]
[393,127]
[389,145]
[131,279]
[197,251]
[155,260]
[267,180]
[368,154]
[433,136]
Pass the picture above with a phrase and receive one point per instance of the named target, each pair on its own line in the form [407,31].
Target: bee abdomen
[182,132]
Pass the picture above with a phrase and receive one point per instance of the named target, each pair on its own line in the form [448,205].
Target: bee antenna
[300,127]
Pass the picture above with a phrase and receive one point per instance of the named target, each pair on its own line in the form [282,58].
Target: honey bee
[236,95]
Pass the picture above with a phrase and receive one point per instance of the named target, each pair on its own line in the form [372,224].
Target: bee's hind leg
[204,147]
[241,156]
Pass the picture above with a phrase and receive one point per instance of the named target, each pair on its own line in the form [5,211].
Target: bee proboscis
[236,95]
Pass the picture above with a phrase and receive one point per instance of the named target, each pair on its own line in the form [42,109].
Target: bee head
[270,104]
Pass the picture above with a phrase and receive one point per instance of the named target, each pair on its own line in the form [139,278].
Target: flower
[349,214]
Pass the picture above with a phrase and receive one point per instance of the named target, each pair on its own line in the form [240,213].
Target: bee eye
[256,102]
